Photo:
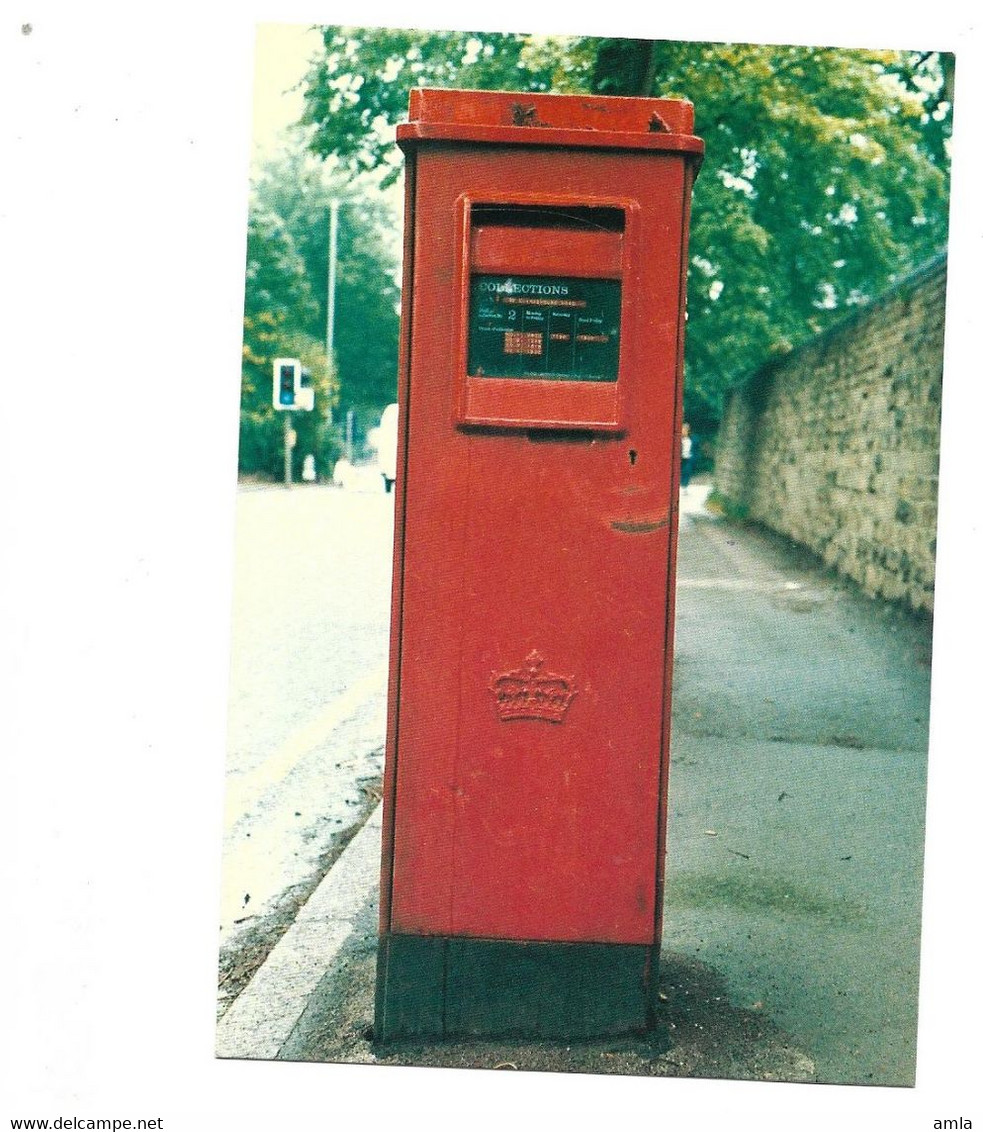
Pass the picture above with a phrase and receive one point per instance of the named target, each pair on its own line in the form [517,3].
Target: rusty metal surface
[580,121]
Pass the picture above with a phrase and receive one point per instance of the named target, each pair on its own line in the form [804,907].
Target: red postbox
[536,514]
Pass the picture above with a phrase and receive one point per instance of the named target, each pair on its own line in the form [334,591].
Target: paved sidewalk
[259,1022]
[797,791]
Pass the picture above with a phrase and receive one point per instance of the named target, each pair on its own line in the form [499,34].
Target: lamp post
[332,282]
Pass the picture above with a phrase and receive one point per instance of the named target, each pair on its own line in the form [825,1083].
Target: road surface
[308,677]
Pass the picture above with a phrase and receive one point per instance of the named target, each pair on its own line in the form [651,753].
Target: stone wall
[836,445]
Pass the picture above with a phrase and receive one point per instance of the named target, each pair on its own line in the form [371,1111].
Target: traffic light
[293,386]
[286,383]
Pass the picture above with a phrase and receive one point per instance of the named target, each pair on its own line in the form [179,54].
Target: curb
[257,1025]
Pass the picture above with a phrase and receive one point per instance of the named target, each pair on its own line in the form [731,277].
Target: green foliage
[278,299]
[825,177]
[286,309]
[361,84]
[820,187]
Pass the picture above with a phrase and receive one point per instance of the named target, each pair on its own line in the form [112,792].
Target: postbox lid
[508,117]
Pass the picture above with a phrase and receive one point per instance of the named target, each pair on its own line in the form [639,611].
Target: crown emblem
[529,693]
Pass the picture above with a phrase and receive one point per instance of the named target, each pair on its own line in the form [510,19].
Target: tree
[825,177]
[824,181]
[360,85]
[286,304]
[278,304]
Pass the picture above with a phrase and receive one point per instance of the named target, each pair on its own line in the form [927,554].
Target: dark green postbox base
[437,987]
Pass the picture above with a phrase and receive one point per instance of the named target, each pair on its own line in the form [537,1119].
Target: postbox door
[534,600]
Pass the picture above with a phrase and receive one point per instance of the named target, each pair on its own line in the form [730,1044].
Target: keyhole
[632,456]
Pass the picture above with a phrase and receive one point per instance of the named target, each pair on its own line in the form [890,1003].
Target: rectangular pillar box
[536,514]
